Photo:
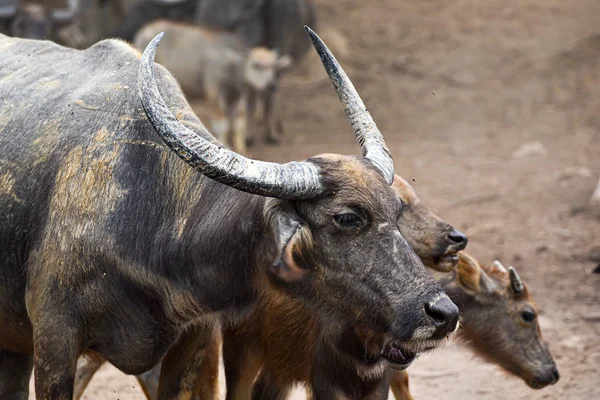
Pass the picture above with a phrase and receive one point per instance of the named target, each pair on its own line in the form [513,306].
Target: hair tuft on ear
[468,272]
[293,241]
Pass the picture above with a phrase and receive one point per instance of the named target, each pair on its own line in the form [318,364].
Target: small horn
[64,16]
[369,137]
[498,265]
[515,281]
[294,180]
[8,8]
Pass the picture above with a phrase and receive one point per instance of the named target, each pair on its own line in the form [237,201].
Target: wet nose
[444,314]
[547,377]
[458,239]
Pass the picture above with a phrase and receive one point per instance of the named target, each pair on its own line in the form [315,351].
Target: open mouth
[449,258]
[398,357]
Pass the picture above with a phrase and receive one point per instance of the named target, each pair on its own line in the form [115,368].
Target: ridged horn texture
[515,281]
[369,137]
[63,16]
[294,180]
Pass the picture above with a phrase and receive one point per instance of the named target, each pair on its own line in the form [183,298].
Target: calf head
[263,67]
[499,320]
[333,237]
[435,241]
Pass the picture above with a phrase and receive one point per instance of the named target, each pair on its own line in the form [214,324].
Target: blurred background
[490,109]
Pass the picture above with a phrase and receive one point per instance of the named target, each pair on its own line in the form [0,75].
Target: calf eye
[348,220]
[528,316]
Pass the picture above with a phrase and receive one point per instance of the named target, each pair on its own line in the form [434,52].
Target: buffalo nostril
[444,314]
[459,238]
[556,374]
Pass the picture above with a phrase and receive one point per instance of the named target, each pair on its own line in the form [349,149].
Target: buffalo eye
[528,316]
[348,220]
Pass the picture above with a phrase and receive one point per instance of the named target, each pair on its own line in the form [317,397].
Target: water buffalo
[111,245]
[499,323]
[218,68]
[288,344]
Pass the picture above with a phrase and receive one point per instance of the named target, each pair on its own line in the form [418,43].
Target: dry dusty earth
[458,87]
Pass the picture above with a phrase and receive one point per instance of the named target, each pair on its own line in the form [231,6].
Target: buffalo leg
[400,387]
[273,125]
[251,116]
[207,382]
[86,368]
[239,126]
[149,381]
[266,388]
[241,363]
[182,364]
[15,372]
[221,121]
[56,349]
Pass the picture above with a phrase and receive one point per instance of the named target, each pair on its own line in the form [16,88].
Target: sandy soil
[458,87]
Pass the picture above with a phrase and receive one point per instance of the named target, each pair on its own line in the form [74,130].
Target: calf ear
[292,240]
[468,273]
[284,63]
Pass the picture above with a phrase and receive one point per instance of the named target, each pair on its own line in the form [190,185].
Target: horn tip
[312,35]
[150,50]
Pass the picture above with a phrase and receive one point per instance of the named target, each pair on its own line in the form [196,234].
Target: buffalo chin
[398,357]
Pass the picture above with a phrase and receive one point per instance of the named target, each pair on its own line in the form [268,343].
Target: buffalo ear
[292,240]
[284,63]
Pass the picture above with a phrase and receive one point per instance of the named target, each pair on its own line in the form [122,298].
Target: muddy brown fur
[493,325]
[116,248]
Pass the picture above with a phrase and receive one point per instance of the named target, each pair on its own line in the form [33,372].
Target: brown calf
[498,323]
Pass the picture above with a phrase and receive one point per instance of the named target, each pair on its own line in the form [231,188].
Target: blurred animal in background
[40,20]
[216,67]
[499,323]
[275,24]
[138,13]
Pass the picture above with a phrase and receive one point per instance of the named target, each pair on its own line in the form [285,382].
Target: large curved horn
[369,137]
[294,180]
[8,8]
[515,281]
[64,16]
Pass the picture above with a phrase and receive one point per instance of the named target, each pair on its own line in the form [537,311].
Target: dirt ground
[492,107]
